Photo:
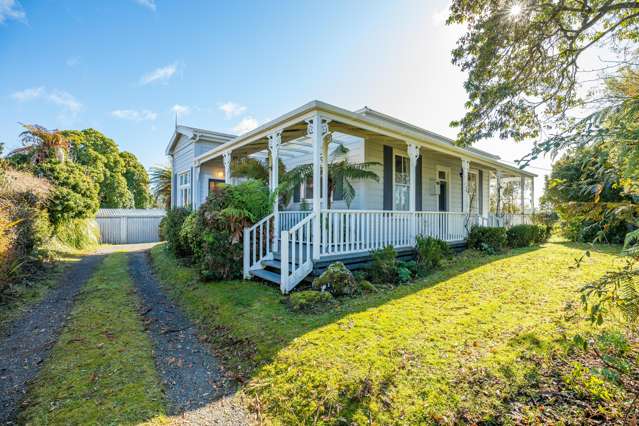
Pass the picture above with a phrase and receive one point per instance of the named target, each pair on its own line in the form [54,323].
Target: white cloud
[149,4]
[59,97]
[134,115]
[159,75]
[439,17]
[11,9]
[72,61]
[232,109]
[245,125]
[28,94]
[181,110]
[65,100]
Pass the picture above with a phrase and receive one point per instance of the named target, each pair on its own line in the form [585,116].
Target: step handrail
[294,267]
[255,251]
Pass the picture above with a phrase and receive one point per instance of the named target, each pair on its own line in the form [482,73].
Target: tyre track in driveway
[196,386]
[26,342]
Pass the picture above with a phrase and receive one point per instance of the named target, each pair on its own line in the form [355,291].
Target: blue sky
[125,66]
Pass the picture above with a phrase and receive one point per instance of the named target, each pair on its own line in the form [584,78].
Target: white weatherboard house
[427,186]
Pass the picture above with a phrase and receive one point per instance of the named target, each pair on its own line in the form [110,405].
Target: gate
[129,226]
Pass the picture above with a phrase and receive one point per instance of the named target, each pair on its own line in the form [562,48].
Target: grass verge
[453,348]
[101,370]
[38,279]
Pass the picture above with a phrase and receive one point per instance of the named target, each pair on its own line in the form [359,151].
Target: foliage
[252,168]
[337,279]
[340,172]
[585,190]
[189,235]
[171,231]
[24,225]
[487,239]
[80,234]
[310,301]
[40,144]
[137,181]
[75,195]
[430,253]
[384,268]
[496,317]
[101,369]
[220,224]
[525,235]
[522,63]
[161,183]
[101,156]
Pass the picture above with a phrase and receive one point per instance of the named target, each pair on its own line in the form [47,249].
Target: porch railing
[289,219]
[296,253]
[258,244]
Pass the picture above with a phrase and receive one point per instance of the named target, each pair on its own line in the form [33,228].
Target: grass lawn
[101,370]
[452,348]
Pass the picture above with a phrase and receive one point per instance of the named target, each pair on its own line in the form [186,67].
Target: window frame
[184,188]
[405,157]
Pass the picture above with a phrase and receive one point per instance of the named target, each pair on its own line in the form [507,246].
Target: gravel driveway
[26,342]
[196,387]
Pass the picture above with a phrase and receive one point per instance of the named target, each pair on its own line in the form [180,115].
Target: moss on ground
[101,370]
[452,348]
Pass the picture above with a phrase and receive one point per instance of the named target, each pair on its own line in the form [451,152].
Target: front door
[442,202]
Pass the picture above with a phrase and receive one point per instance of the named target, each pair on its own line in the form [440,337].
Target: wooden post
[316,129]
[413,156]
[465,197]
[226,158]
[247,253]
[284,263]
[274,142]
[522,187]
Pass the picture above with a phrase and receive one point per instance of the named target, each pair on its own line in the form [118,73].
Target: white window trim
[404,154]
[184,188]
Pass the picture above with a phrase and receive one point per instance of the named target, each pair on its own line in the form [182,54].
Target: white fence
[129,226]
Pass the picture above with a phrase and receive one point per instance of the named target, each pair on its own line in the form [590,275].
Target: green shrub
[80,234]
[384,268]
[521,235]
[543,233]
[310,301]
[170,230]
[487,239]
[430,253]
[337,279]
[526,235]
[75,194]
[220,224]
[189,235]
[365,286]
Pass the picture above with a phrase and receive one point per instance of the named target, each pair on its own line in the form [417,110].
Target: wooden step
[266,275]
[272,264]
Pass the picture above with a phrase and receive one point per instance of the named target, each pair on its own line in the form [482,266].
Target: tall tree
[161,177]
[40,144]
[137,180]
[522,59]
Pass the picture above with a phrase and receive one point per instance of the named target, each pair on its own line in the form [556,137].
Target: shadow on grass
[248,322]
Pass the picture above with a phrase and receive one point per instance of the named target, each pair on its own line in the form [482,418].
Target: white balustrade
[258,244]
[296,260]
[289,219]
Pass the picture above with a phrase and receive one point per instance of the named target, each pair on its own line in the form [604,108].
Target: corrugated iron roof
[130,212]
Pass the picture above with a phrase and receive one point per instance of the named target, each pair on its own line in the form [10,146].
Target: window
[402,183]
[442,181]
[214,183]
[184,189]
